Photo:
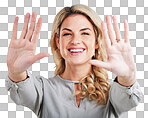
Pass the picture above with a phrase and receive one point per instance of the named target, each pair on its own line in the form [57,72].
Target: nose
[76,39]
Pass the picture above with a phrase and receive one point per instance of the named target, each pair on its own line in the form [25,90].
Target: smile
[76,51]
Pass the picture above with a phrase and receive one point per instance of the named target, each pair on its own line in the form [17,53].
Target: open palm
[21,52]
[120,58]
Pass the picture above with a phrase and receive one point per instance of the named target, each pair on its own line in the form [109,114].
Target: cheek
[91,43]
[91,46]
[63,45]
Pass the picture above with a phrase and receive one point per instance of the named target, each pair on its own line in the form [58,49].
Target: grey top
[51,98]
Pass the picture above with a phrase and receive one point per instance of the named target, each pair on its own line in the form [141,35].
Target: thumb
[40,56]
[101,64]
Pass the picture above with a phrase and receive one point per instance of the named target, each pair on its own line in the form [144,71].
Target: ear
[57,41]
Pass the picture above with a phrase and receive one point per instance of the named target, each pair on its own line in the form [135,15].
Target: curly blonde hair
[96,86]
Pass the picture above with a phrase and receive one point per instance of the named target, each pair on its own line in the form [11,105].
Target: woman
[80,87]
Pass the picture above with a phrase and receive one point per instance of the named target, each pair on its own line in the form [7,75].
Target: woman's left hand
[119,53]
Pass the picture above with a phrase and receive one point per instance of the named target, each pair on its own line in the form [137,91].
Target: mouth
[76,51]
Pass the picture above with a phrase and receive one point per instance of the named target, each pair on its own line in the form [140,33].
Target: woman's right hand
[21,52]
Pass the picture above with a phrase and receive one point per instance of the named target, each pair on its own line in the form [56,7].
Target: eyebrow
[67,29]
[80,29]
[85,29]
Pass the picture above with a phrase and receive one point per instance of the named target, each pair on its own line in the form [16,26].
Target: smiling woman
[83,53]
[77,41]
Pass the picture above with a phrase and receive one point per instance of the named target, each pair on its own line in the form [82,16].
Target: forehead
[76,21]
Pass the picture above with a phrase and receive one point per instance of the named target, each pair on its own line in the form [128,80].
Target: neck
[76,73]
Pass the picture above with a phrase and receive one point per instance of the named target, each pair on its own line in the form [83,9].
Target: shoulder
[48,82]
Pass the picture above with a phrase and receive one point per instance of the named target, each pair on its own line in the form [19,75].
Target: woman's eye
[66,34]
[85,34]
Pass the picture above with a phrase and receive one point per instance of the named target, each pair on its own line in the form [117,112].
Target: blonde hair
[96,86]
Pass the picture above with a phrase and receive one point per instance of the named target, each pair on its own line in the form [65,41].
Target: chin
[77,62]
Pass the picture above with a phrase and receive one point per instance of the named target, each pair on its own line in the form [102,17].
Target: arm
[125,98]
[121,62]
[21,55]
[122,99]
[27,92]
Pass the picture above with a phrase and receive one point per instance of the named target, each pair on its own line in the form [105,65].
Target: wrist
[127,80]
[17,77]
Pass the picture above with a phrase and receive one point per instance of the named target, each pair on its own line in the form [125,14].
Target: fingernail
[34,13]
[16,18]
[27,15]
[40,20]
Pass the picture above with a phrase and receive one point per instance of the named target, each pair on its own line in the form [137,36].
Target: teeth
[76,50]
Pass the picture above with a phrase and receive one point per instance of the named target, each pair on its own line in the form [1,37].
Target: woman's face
[77,40]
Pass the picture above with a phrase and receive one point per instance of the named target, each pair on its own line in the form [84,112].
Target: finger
[126,32]
[105,36]
[14,32]
[100,64]
[40,56]
[32,26]
[117,31]
[37,31]
[25,26]
[110,29]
